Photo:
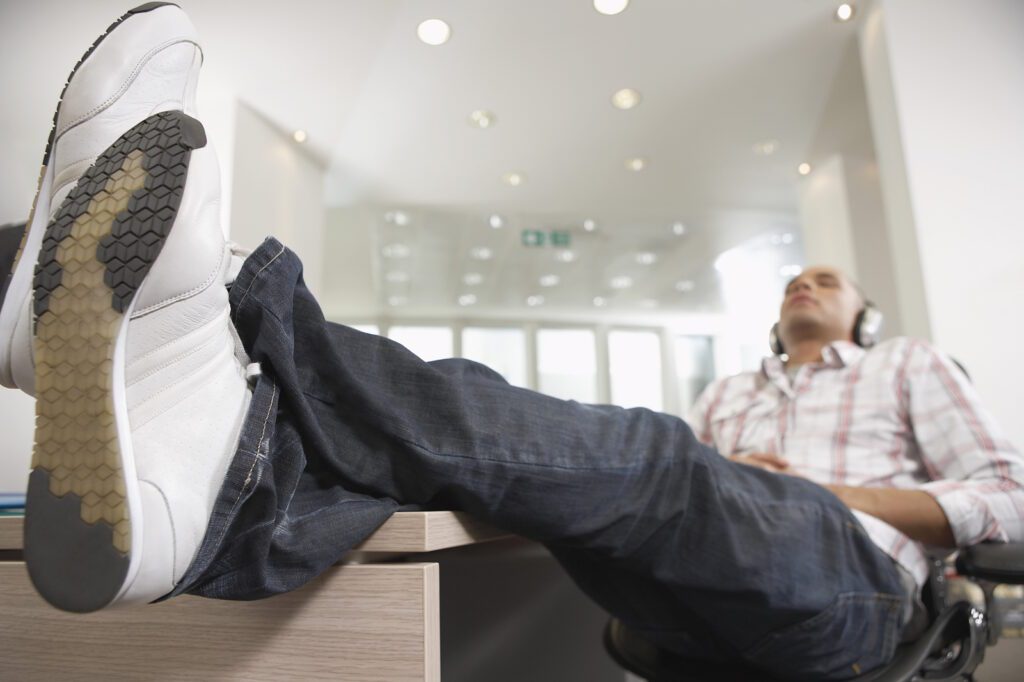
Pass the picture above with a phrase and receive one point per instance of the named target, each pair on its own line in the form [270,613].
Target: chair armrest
[994,561]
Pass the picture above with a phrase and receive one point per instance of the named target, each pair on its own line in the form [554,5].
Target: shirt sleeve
[977,475]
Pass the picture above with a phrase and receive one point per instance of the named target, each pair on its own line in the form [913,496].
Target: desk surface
[403,533]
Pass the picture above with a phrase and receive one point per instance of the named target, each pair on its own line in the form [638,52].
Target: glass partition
[430,343]
[567,364]
[634,359]
[502,349]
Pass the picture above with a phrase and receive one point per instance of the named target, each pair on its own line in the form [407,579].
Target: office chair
[951,648]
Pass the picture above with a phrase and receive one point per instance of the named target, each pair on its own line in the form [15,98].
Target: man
[202,428]
[895,430]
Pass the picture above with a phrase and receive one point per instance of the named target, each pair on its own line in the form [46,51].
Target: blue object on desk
[12,500]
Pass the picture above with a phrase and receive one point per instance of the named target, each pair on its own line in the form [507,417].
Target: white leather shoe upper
[186,390]
[148,63]
[164,80]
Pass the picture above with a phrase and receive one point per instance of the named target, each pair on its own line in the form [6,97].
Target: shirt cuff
[969,516]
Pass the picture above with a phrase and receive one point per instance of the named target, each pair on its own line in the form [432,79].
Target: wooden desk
[365,621]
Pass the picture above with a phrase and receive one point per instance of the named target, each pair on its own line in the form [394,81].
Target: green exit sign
[540,238]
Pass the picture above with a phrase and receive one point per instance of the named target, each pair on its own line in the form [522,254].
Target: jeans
[699,554]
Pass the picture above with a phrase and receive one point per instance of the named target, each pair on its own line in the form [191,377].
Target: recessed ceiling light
[467,299]
[803,168]
[397,217]
[678,229]
[481,253]
[473,278]
[299,136]
[434,32]
[565,256]
[610,7]
[600,302]
[589,225]
[844,12]
[397,300]
[496,222]
[626,98]
[397,277]
[396,251]
[482,119]
[646,258]
[636,164]
[549,280]
[621,282]
[513,179]
[685,285]
[788,238]
[766,147]
[534,300]
[790,270]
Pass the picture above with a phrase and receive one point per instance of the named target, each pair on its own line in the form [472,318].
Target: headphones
[867,329]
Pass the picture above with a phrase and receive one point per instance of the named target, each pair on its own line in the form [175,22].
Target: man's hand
[763,460]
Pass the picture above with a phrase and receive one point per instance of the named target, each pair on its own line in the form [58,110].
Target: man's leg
[660,530]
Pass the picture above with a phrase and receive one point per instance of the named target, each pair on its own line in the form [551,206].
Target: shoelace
[238,256]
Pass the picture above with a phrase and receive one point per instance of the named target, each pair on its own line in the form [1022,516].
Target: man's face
[820,303]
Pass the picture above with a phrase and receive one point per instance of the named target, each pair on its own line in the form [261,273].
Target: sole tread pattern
[51,138]
[95,255]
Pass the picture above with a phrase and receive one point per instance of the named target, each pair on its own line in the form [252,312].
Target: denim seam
[511,463]
[257,274]
[259,456]
[293,519]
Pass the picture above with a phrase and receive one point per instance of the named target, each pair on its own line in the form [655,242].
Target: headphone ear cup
[774,342]
[858,324]
[867,329]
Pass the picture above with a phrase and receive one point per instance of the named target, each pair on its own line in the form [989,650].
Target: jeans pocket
[856,633]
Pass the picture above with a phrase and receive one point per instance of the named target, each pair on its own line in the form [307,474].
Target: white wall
[825,215]
[17,415]
[277,189]
[842,212]
[218,111]
[945,82]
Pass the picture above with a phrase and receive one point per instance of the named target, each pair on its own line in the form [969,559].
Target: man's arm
[915,513]
[976,487]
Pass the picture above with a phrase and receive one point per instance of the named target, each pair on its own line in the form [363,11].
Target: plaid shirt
[900,415]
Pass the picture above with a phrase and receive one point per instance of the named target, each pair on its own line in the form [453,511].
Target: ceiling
[389,115]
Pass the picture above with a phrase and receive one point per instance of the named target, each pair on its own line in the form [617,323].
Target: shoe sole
[9,317]
[82,519]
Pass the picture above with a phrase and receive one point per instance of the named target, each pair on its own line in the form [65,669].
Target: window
[367,328]
[634,359]
[635,365]
[430,343]
[695,368]
[566,364]
[503,350]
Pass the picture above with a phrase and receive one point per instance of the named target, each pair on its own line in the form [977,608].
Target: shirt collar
[841,353]
[836,354]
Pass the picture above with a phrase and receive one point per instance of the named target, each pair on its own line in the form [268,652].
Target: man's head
[820,304]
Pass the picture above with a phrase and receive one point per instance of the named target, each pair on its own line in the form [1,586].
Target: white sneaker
[147,61]
[141,392]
